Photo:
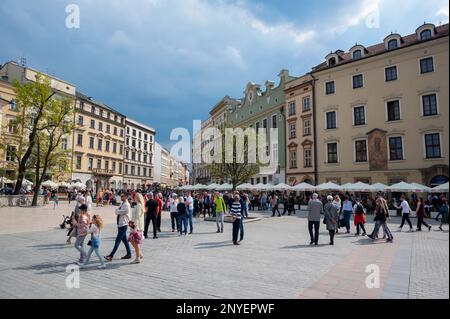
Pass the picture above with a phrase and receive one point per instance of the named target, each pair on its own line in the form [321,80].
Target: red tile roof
[441,31]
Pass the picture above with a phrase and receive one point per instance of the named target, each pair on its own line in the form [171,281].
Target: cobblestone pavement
[274,261]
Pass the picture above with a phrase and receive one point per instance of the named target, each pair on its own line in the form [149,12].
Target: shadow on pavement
[304,246]
[214,245]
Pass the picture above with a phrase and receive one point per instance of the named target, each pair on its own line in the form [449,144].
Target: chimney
[269,85]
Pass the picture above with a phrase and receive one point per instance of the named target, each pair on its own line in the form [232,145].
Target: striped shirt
[236,209]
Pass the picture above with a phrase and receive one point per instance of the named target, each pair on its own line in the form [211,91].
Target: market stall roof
[303,187]
[282,187]
[405,187]
[328,187]
[441,188]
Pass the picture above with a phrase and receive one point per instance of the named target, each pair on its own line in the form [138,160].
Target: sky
[168,62]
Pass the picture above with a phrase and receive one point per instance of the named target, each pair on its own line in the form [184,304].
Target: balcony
[103,172]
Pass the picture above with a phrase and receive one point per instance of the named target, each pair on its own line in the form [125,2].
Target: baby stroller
[67,222]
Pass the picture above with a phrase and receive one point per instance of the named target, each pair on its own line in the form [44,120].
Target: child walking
[94,230]
[82,227]
[135,240]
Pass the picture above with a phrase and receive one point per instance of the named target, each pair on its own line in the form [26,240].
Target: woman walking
[331,217]
[360,217]
[443,210]
[420,212]
[94,230]
[347,207]
[236,217]
[137,226]
[381,215]
[82,226]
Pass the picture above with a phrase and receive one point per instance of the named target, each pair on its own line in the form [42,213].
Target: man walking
[275,205]
[221,208]
[123,217]
[151,211]
[404,206]
[315,209]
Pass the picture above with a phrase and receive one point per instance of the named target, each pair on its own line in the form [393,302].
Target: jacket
[315,209]
[123,214]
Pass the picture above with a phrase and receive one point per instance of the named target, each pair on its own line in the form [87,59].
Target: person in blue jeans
[123,217]
[182,215]
[190,210]
[347,208]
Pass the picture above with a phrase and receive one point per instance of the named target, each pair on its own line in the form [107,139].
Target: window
[12,126]
[13,105]
[357,54]
[115,131]
[133,143]
[100,126]
[121,149]
[127,141]
[292,108]
[307,157]
[107,146]
[126,169]
[109,115]
[100,144]
[145,136]
[99,164]
[145,146]
[127,154]
[134,133]
[359,116]
[106,166]
[114,147]
[10,153]
[392,44]
[358,81]
[80,139]
[433,145]
[361,151]
[293,159]
[306,104]
[393,111]
[140,134]
[64,144]
[139,171]
[78,162]
[332,154]
[275,152]
[128,131]
[330,88]
[395,148]
[274,121]
[264,123]
[426,65]
[108,128]
[332,61]
[90,164]
[133,170]
[80,120]
[429,105]
[331,120]
[292,130]
[120,168]
[133,156]
[92,124]
[114,164]
[306,127]
[145,158]
[91,142]
[144,171]
[100,113]
[121,132]
[390,73]
[426,35]
[151,138]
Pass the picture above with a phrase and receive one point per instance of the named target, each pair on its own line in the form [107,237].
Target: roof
[91,100]
[148,128]
[377,49]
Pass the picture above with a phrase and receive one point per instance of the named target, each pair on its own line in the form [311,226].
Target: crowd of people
[136,209]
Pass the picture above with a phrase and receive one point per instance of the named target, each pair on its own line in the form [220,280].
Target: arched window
[332,61]
[357,54]
[392,44]
[425,35]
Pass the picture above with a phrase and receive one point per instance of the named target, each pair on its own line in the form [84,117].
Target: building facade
[382,111]
[265,110]
[8,113]
[300,148]
[98,145]
[138,159]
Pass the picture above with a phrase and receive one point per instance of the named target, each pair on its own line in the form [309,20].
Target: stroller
[67,222]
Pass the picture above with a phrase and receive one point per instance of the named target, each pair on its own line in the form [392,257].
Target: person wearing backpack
[360,217]
[406,209]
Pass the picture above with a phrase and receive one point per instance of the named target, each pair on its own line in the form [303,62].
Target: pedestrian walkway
[274,261]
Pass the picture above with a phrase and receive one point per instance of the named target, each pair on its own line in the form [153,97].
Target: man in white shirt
[190,207]
[406,210]
[123,217]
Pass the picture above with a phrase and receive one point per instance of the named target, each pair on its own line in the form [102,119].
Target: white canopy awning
[378,187]
[245,187]
[303,187]
[282,187]
[405,187]
[262,187]
[441,188]
[225,187]
[357,187]
[5,180]
[328,187]
[50,184]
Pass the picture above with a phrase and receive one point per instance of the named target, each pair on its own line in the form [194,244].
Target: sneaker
[218,231]
[108,258]
[81,264]
[311,243]
[418,229]
[357,234]
[364,234]
[236,244]
[390,240]
[429,228]
[101,267]
[136,261]
[155,237]
[371,237]
[126,257]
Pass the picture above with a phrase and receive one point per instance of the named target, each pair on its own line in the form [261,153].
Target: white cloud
[234,55]
[444,13]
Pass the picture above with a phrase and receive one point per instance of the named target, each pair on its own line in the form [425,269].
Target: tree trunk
[37,184]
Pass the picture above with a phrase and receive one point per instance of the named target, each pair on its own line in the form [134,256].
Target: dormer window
[332,61]
[426,32]
[392,44]
[357,54]
[425,35]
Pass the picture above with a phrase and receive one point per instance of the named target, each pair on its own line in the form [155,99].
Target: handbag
[89,243]
[341,223]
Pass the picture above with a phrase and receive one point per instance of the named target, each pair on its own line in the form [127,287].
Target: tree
[48,154]
[240,168]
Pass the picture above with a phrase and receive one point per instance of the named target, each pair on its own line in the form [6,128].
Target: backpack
[359,209]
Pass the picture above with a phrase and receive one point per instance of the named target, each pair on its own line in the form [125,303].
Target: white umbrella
[198,187]
[441,188]
[346,186]
[212,187]
[26,182]
[357,187]
[50,184]
[378,187]
[282,187]
[245,187]
[303,187]
[5,180]
[79,185]
[328,187]
[425,189]
[404,188]
[262,187]
[225,187]
[64,184]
